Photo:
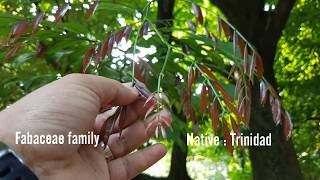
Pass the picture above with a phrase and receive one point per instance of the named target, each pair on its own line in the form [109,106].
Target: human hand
[72,104]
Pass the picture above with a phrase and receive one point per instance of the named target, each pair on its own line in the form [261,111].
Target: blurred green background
[290,53]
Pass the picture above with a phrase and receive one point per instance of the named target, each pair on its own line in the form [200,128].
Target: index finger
[106,91]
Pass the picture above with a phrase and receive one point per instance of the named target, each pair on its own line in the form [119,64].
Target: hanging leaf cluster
[215,101]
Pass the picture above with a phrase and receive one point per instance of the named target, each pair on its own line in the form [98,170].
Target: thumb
[107,91]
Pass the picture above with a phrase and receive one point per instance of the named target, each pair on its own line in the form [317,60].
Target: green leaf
[75,27]
[107,7]
[24,57]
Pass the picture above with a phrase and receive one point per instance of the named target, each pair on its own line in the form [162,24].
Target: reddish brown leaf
[196,128]
[275,109]
[235,42]
[142,89]
[37,20]
[111,42]
[225,28]
[204,99]
[234,126]
[263,93]
[196,74]
[122,118]
[247,113]
[144,68]
[215,116]
[206,70]
[241,44]
[214,39]
[138,73]
[226,96]
[92,8]
[219,26]
[151,100]
[104,48]
[144,29]
[61,12]
[150,111]
[271,100]
[272,90]
[13,51]
[238,88]
[119,35]
[277,106]
[185,48]
[42,49]
[238,85]
[245,58]
[190,78]
[127,32]
[252,67]
[197,11]
[217,86]
[232,71]
[87,59]
[208,35]
[108,125]
[241,102]
[187,105]
[163,100]
[98,55]
[235,129]
[233,110]
[19,29]
[191,26]
[258,65]
[165,121]
[227,136]
[287,125]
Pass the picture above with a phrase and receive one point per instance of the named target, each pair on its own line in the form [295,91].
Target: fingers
[107,90]
[134,111]
[133,164]
[133,136]
[130,139]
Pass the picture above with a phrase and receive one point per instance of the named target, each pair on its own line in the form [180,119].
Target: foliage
[204,67]
[298,74]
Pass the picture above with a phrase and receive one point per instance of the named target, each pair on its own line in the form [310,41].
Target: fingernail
[162,149]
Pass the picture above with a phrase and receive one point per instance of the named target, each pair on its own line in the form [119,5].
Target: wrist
[4,134]
[7,137]
[12,166]
[7,134]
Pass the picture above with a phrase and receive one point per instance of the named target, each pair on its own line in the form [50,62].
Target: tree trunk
[263,29]
[278,161]
[178,168]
